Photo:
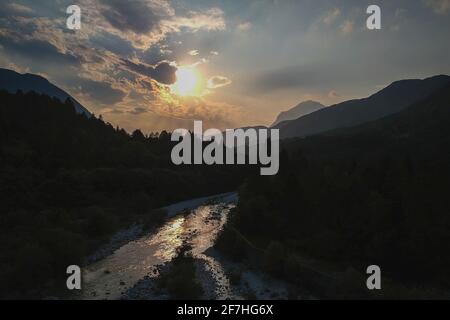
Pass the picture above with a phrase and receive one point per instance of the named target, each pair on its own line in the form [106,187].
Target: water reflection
[111,277]
[168,239]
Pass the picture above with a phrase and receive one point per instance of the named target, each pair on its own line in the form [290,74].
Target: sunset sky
[155,64]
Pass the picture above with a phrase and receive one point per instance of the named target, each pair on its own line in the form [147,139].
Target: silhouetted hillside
[12,81]
[373,194]
[300,110]
[390,100]
[68,182]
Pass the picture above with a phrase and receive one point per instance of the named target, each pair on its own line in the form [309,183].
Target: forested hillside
[67,182]
[373,194]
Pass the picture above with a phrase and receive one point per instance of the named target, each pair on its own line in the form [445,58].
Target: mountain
[12,81]
[421,130]
[252,127]
[300,110]
[390,100]
[344,198]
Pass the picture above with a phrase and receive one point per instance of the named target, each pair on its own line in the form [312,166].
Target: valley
[131,271]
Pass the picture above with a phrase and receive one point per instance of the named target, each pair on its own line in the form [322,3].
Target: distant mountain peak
[13,81]
[394,98]
[300,110]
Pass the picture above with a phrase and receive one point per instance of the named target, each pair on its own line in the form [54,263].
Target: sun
[188,82]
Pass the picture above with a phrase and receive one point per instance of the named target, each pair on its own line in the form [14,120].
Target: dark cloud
[283,78]
[136,16]
[163,72]
[16,9]
[138,110]
[115,111]
[113,43]
[99,91]
[297,76]
[103,92]
[156,54]
[36,50]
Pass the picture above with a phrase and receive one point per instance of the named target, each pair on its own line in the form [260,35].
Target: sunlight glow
[188,82]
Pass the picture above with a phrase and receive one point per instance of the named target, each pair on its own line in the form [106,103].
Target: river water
[111,277]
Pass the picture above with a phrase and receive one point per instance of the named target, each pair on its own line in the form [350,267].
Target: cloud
[106,65]
[29,49]
[103,92]
[298,77]
[96,75]
[282,78]
[139,16]
[193,53]
[217,82]
[244,26]
[210,20]
[214,53]
[138,110]
[166,111]
[144,23]
[12,66]
[213,114]
[334,94]
[439,6]
[163,72]
[19,8]
[331,16]
[347,27]
[139,22]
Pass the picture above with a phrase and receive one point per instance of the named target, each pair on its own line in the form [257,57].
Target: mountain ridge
[392,99]
[301,109]
[13,81]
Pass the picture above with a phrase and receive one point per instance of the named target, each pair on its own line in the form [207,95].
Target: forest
[67,182]
[348,198]
[376,194]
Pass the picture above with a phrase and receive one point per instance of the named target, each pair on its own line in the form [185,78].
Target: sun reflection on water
[169,238]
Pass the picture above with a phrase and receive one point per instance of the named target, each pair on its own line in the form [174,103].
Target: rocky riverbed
[128,267]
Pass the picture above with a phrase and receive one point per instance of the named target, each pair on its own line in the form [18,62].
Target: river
[116,276]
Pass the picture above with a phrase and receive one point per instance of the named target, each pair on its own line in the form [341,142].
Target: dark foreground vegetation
[180,280]
[67,182]
[343,200]
[374,194]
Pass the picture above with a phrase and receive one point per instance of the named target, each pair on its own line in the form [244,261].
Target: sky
[159,65]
